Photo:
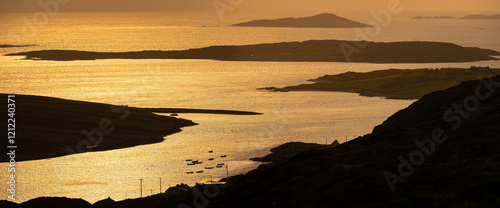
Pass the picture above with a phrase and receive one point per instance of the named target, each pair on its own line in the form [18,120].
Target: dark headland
[325,20]
[51,127]
[416,158]
[313,51]
[393,83]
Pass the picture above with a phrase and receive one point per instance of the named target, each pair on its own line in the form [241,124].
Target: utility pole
[141,187]
[160,185]
[227,173]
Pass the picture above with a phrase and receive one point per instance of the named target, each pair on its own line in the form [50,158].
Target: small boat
[211,158]
[211,151]
[174,114]
[223,156]
[209,167]
[220,164]
[199,171]
[190,172]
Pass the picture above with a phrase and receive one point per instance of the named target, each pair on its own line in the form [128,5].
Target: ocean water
[318,117]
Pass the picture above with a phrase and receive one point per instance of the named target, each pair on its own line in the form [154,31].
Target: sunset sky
[490,6]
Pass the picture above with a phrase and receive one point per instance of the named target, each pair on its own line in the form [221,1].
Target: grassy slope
[313,50]
[394,83]
[45,126]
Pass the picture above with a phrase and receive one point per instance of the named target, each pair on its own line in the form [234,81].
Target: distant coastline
[470,17]
[306,51]
[392,83]
[15,46]
[54,127]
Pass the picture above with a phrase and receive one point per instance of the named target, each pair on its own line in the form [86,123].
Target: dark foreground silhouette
[441,151]
[313,50]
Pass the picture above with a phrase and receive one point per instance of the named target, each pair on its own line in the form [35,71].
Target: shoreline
[53,127]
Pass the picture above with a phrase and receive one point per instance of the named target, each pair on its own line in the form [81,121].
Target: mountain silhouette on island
[324,20]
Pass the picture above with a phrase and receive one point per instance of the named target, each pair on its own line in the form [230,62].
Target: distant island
[53,127]
[312,51]
[413,159]
[434,17]
[473,16]
[482,16]
[325,20]
[393,83]
[14,46]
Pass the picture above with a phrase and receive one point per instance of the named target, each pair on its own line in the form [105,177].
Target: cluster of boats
[197,162]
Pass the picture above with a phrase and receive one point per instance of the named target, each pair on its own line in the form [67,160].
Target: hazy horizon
[256,6]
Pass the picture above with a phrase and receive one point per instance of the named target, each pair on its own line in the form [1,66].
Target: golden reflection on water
[294,116]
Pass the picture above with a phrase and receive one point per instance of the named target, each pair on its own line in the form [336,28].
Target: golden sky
[252,5]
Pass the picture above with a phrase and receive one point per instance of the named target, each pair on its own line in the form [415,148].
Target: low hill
[313,50]
[482,16]
[325,20]
[47,127]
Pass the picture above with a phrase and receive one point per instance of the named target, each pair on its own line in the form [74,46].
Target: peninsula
[325,20]
[52,127]
[313,51]
[393,83]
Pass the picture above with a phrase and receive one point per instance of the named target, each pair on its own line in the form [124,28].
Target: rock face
[325,20]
